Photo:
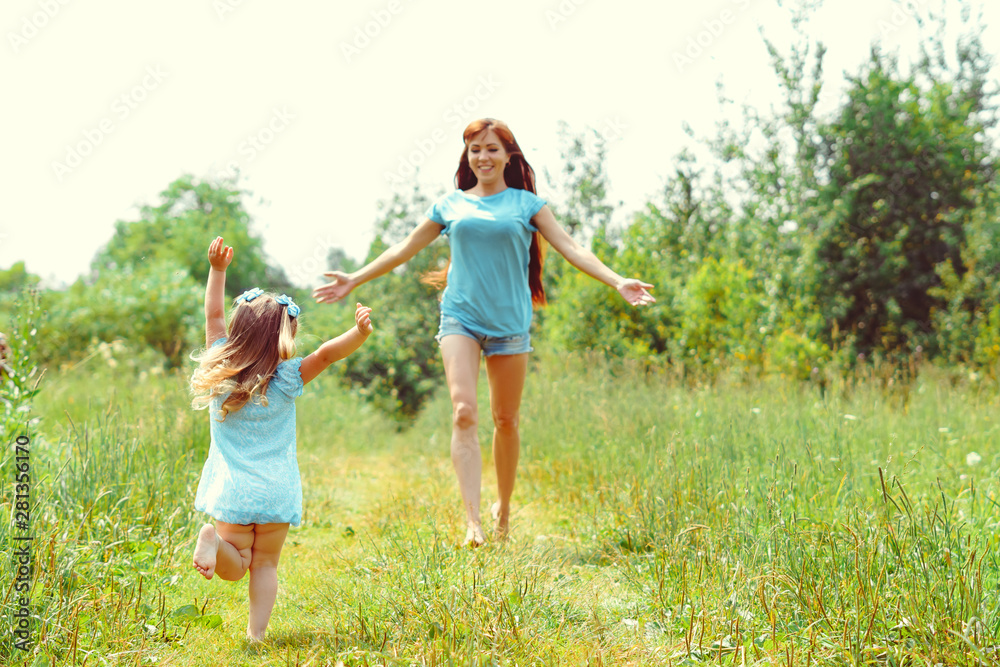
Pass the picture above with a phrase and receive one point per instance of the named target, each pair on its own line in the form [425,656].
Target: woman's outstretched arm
[402,252]
[632,290]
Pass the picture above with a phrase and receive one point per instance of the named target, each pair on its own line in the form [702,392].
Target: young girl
[250,483]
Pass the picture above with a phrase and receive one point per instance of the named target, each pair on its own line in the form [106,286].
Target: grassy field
[743,523]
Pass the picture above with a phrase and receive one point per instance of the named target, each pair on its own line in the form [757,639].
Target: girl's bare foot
[205,550]
[501,522]
[474,536]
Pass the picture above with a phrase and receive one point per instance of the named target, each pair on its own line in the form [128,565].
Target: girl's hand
[363,317]
[634,291]
[336,290]
[219,256]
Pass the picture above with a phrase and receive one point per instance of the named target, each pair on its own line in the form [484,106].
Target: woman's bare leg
[461,366]
[506,374]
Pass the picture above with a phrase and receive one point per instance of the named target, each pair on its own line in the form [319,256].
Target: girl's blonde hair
[261,335]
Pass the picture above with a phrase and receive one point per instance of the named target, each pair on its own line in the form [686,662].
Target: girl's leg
[461,368]
[267,543]
[506,373]
[223,549]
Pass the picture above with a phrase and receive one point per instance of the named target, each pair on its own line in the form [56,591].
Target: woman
[493,221]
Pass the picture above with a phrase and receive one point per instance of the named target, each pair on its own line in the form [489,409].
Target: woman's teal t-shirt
[490,240]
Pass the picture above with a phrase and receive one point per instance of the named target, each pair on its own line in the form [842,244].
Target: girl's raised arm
[402,252]
[219,256]
[632,290]
[339,347]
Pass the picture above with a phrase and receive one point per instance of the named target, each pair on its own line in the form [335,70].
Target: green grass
[746,522]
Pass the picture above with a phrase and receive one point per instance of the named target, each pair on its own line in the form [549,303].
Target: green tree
[659,246]
[399,367]
[15,282]
[16,278]
[338,260]
[146,285]
[178,230]
[578,307]
[967,325]
[904,162]
[583,184]
[763,204]
[156,305]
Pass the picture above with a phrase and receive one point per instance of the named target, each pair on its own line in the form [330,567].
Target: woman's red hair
[517,174]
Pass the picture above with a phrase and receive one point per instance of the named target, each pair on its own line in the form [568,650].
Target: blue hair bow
[249,295]
[285,300]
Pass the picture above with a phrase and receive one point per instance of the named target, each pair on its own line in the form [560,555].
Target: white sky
[201,76]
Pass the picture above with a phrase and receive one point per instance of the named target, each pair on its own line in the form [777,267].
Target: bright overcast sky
[111,100]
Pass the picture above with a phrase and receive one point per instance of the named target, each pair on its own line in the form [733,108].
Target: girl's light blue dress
[252,475]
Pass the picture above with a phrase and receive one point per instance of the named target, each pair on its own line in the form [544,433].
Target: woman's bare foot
[474,536]
[205,550]
[501,522]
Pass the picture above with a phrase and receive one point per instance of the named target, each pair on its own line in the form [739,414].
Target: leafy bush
[967,325]
[589,315]
[20,375]
[904,162]
[399,367]
[719,316]
[156,305]
[178,230]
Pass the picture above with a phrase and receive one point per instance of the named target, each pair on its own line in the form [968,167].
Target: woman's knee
[506,422]
[464,415]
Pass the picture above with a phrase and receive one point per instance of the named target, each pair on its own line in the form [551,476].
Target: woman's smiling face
[487,157]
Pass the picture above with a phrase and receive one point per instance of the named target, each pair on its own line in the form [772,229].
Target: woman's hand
[634,291]
[219,256]
[336,290]
[363,318]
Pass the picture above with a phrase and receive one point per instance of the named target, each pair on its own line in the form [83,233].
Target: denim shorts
[491,345]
